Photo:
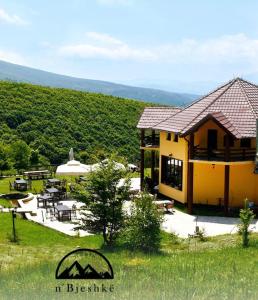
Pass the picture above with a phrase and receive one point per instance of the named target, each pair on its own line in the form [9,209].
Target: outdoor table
[54,182]
[20,185]
[52,191]
[39,174]
[63,212]
[45,198]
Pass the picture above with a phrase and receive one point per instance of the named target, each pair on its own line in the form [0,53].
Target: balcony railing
[151,141]
[221,154]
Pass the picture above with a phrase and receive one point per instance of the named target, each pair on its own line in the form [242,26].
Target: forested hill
[52,120]
[19,73]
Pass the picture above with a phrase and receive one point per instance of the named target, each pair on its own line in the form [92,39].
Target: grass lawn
[36,187]
[216,269]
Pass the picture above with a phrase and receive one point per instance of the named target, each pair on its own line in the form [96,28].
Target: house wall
[201,136]
[178,150]
[243,184]
[208,185]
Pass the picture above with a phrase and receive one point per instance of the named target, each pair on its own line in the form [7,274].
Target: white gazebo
[73,167]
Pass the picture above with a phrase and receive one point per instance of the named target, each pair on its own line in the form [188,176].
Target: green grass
[37,185]
[217,269]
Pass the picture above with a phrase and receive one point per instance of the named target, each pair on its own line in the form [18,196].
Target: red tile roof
[154,115]
[234,105]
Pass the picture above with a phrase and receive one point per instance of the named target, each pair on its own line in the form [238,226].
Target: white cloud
[12,57]
[103,37]
[101,45]
[236,49]
[115,2]
[11,19]
[228,48]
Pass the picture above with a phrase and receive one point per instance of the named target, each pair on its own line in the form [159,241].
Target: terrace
[222,155]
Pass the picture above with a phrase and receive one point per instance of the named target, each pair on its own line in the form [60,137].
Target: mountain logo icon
[84,264]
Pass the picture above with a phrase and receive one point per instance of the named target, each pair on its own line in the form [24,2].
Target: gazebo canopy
[73,167]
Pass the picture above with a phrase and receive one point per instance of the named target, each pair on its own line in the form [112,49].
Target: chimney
[256,157]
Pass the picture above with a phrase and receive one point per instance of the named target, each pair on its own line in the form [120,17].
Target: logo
[84,264]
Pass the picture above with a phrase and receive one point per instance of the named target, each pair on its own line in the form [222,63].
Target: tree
[104,195]
[246,216]
[142,230]
[20,152]
[34,157]
[4,163]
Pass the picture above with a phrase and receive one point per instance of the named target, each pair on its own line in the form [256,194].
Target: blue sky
[180,45]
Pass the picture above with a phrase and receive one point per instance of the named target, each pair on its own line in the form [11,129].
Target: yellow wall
[178,150]
[208,183]
[200,136]
[243,184]
[209,179]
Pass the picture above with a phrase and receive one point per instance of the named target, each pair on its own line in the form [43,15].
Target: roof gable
[237,101]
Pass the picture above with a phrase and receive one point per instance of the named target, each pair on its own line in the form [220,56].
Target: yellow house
[207,150]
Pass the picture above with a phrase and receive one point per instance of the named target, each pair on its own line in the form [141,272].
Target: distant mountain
[19,73]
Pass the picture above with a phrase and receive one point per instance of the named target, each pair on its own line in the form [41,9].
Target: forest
[38,125]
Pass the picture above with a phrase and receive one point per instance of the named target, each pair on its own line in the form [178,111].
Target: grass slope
[53,120]
[216,269]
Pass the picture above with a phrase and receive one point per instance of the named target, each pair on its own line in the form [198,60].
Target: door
[212,139]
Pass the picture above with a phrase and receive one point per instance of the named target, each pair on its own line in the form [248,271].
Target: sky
[177,45]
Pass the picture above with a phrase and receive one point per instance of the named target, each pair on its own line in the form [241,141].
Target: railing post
[191,146]
[227,148]
[142,137]
[153,137]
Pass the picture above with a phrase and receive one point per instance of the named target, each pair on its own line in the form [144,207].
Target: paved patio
[40,216]
[184,224]
[178,222]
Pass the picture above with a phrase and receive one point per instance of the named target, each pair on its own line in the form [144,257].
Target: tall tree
[20,153]
[104,194]
[4,163]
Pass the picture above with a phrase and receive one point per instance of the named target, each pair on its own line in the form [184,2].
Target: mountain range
[13,72]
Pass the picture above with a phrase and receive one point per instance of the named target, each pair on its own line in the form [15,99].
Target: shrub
[174,238]
[246,216]
[142,230]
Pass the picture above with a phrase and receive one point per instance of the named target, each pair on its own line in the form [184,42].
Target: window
[172,172]
[168,136]
[245,143]
[176,138]
[231,141]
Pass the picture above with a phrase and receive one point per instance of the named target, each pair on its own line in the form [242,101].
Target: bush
[142,231]
[174,238]
[246,216]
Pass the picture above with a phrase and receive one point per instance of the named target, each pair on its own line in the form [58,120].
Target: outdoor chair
[11,186]
[74,211]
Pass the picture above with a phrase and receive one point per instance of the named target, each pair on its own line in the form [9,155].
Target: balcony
[151,141]
[233,155]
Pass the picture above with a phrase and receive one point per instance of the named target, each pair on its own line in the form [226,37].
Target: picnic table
[20,185]
[63,212]
[52,182]
[45,198]
[52,191]
[39,174]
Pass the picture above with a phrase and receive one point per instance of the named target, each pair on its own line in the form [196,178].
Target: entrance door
[212,139]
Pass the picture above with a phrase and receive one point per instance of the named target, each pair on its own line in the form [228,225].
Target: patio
[48,218]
